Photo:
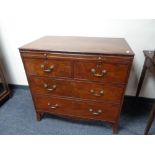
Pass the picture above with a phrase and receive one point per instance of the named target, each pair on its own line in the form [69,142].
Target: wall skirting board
[14,86]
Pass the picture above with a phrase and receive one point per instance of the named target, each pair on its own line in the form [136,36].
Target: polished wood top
[69,44]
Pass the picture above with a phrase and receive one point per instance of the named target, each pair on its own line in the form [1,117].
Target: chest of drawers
[78,77]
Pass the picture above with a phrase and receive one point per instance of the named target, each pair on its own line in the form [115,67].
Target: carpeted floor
[17,117]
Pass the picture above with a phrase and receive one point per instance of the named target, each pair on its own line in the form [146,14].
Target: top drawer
[109,70]
[78,66]
[48,67]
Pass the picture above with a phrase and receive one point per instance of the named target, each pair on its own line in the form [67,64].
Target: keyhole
[99,64]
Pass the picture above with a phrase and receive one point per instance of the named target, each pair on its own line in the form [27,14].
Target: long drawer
[77,89]
[90,110]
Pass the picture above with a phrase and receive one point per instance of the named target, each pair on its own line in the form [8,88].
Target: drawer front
[95,91]
[109,72]
[42,85]
[91,110]
[49,67]
[78,89]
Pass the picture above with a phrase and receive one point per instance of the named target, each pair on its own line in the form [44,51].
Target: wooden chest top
[88,45]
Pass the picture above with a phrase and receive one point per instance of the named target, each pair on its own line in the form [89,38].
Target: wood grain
[77,108]
[100,45]
[81,90]
[115,72]
[61,68]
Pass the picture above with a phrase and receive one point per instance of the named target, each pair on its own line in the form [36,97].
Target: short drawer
[98,91]
[42,85]
[91,110]
[48,67]
[101,71]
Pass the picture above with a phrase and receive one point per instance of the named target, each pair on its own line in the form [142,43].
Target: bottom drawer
[81,109]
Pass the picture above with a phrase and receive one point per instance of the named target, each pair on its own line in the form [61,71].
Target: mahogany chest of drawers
[78,77]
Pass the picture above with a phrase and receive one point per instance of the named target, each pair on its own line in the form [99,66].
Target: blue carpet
[17,117]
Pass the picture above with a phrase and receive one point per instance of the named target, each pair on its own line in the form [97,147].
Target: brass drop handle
[49,89]
[99,111]
[93,70]
[92,91]
[48,70]
[53,106]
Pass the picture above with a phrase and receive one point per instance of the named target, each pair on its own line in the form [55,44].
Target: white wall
[24,21]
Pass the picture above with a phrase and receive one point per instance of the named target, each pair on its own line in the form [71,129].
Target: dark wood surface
[77,89]
[75,108]
[150,120]
[80,85]
[149,65]
[115,72]
[61,68]
[71,44]
[5,91]
[95,91]
[150,55]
